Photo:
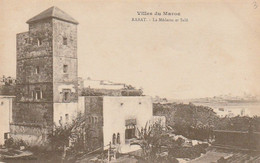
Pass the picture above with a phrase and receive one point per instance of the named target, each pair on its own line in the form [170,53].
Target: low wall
[240,139]
[32,135]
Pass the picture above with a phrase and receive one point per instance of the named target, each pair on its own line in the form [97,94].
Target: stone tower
[47,87]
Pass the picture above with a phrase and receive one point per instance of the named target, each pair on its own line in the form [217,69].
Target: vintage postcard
[170,81]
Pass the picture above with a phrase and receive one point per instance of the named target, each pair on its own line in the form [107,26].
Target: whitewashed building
[6,104]
[115,119]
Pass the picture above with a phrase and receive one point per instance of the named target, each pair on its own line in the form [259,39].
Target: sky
[216,52]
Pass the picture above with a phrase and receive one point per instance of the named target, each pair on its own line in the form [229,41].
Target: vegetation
[64,133]
[69,139]
[127,91]
[159,145]
[149,139]
[239,123]
[194,122]
[65,143]
[198,122]
[90,92]
[11,143]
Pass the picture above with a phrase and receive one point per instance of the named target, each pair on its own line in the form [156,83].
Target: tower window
[37,70]
[65,41]
[38,94]
[66,95]
[65,68]
[26,40]
[39,42]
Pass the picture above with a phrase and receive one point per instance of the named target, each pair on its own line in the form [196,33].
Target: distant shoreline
[250,108]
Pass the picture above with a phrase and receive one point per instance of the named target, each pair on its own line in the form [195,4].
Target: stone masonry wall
[33,113]
[41,56]
[94,113]
[65,55]
[34,52]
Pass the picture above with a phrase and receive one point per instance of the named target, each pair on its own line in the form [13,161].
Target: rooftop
[53,12]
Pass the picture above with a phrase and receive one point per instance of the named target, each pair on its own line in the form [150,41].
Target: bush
[9,143]
[68,140]
[188,152]
[16,144]
[191,121]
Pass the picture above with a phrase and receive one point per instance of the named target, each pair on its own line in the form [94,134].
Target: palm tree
[150,140]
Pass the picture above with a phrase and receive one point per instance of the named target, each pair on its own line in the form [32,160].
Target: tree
[188,120]
[62,134]
[150,140]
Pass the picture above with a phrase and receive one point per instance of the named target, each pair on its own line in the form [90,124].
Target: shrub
[16,144]
[188,152]
[9,142]
[63,134]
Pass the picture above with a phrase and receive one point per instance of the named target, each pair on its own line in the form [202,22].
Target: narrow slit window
[26,40]
[66,95]
[39,42]
[38,94]
[65,68]
[65,41]
[37,70]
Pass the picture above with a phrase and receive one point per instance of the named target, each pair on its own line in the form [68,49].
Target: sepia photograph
[170,81]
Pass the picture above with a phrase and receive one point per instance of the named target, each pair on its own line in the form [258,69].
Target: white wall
[61,109]
[98,85]
[6,115]
[118,109]
[81,104]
